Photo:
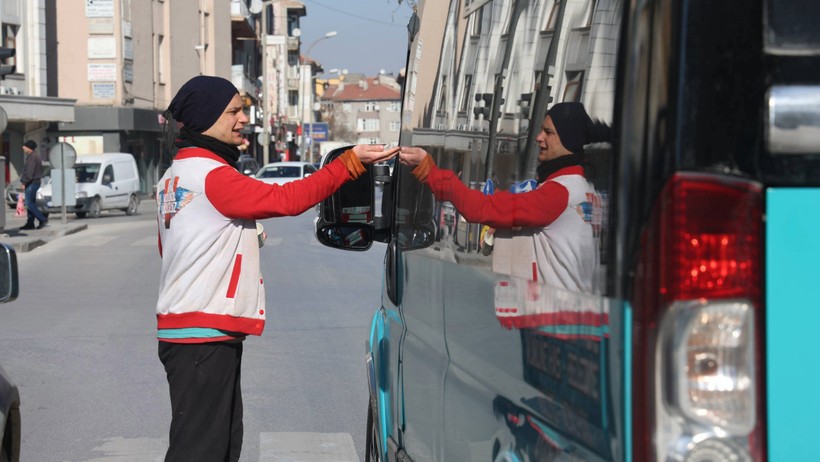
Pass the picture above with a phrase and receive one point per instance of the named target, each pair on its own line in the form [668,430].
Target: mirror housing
[346,218]
[9,280]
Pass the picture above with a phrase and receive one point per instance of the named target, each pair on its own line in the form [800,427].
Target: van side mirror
[346,218]
[9,282]
[106,180]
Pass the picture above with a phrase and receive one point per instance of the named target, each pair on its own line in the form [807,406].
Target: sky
[371,34]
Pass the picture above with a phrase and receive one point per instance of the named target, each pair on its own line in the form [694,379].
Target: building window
[10,41]
[293,57]
[572,92]
[394,106]
[161,59]
[367,125]
[293,98]
[371,106]
[368,140]
[552,18]
[478,17]
[465,97]
[395,126]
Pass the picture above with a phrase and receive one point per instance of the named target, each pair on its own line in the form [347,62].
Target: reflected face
[549,142]
[227,127]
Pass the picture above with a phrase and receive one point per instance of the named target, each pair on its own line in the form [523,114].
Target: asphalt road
[80,343]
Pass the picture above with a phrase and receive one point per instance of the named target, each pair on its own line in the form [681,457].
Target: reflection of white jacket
[547,235]
[563,253]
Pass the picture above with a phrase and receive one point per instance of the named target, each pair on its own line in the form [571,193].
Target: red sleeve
[238,196]
[537,208]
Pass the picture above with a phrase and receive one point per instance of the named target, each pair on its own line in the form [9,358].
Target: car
[284,172]
[108,181]
[10,429]
[247,165]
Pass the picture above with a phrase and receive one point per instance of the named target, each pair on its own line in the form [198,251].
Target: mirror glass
[349,236]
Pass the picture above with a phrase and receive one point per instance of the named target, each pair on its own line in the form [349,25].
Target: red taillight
[711,228]
[702,246]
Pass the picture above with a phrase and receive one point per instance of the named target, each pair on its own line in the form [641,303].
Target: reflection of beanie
[30,144]
[201,101]
[575,128]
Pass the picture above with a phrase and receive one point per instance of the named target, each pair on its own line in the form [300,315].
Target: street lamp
[302,108]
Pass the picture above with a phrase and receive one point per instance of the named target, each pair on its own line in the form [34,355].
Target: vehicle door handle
[391,279]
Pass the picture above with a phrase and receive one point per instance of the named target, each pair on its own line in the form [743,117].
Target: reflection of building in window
[465,96]
[552,18]
[572,91]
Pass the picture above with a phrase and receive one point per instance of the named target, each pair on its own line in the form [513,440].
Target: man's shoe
[42,224]
[28,226]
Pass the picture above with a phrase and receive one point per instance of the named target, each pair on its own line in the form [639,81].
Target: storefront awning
[37,109]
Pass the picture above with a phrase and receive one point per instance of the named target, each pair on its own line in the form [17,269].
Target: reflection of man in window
[556,220]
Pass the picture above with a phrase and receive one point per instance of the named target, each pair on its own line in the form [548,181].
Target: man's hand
[372,153]
[412,156]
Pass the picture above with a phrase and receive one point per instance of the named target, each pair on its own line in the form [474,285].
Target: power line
[353,15]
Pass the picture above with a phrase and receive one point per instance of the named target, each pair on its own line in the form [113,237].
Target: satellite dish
[296,32]
[255,7]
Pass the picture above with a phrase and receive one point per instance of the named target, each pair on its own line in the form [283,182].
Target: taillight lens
[697,305]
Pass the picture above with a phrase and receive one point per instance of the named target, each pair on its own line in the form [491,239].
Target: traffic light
[6,53]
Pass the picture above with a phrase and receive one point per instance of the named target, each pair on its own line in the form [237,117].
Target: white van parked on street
[108,181]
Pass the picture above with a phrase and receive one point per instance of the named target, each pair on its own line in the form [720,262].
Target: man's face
[27,150]
[549,142]
[232,120]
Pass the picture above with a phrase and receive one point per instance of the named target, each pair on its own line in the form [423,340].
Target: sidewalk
[27,240]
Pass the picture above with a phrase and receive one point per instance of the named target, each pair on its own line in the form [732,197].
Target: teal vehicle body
[792,253]
[694,341]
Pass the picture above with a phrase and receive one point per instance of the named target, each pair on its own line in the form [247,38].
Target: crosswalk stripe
[307,447]
[273,447]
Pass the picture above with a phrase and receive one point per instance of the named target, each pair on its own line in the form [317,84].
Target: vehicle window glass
[86,173]
[492,133]
[280,172]
[310,169]
[108,174]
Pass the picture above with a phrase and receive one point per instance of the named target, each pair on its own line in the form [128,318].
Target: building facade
[27,107]
[117,60]
[364,110]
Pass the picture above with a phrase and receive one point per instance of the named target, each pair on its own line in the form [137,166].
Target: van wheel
[80,214]
[95,208]
[371,449]
[132,206]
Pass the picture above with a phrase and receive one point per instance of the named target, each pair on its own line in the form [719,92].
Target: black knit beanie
[201,101]
[572,124]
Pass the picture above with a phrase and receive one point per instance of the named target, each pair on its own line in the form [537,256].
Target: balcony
[293,43]
[242,24]
[241,81]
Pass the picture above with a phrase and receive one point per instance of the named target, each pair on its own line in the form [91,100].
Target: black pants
[206,401]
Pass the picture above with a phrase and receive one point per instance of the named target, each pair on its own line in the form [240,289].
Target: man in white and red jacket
[211,292]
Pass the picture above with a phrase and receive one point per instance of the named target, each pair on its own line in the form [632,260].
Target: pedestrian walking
[211,291]
[31,177]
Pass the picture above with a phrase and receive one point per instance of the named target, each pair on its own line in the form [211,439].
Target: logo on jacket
[172,199]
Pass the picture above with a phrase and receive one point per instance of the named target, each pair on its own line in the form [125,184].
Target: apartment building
[98,74]
[27,107]
[118,61]
[362,109]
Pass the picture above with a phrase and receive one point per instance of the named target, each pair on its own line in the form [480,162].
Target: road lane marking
[307,447]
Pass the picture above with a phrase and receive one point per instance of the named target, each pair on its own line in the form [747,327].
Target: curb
[27,244]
